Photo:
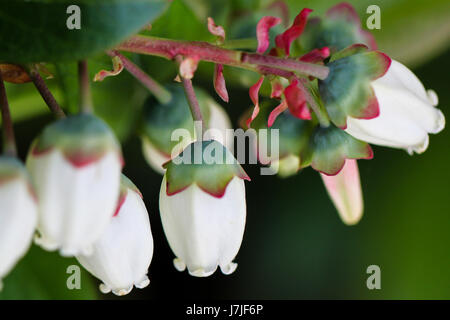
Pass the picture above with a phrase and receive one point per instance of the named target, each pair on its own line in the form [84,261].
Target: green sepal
[294,133]
[329,147]
[161,119]
[347,90]
[12,168]
[126,184]
[82,138]
[208,164]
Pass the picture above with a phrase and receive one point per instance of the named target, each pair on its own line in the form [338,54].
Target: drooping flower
[203,209]
[344,190]
[75,165]
[408,113]
[122,255]
[18,213]
[161,120]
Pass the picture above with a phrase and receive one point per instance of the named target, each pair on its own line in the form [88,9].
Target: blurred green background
[295,246]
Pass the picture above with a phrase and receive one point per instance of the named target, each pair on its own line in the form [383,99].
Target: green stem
[85,88]
[154,87]
[9,141]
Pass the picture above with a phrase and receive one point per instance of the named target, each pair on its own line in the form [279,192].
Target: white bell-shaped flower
[18,213]
[407,113]
[75,165]
[122,255]
[203,213]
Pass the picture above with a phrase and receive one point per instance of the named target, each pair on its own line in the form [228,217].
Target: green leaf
[35,31]
[43,275]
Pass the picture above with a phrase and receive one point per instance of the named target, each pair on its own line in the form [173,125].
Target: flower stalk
[85,88]
[154,87]
[205,51]
[9,141]
[48,97]
[193,102]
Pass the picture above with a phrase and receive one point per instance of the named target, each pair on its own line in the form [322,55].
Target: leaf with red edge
[276,112]
[296,100]
[253,92]
[316,55]
[285,39]
[347,90]
[216,30]
[117,68]
[219,82]
[262,32]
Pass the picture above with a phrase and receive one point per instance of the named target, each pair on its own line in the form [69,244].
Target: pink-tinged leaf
[372,110]
[219,82]
[277,88]
[216,30]
[117,68]
[276,112]
[316,55]
[262,32]
[285,39]
[384,63]
[344,190]
[253,92]
[188,67]
[296,100]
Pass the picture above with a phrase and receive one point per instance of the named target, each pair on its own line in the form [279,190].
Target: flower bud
[344,190]
[203,211]
[122,255]
[75,165]
[18,214]
[162,120]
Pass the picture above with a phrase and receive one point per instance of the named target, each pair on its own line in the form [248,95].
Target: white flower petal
[18,217]
[122,255]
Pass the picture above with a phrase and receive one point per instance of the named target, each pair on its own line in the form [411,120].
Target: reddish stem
[205,51]
[40,85]
[9,141]
[154,87]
